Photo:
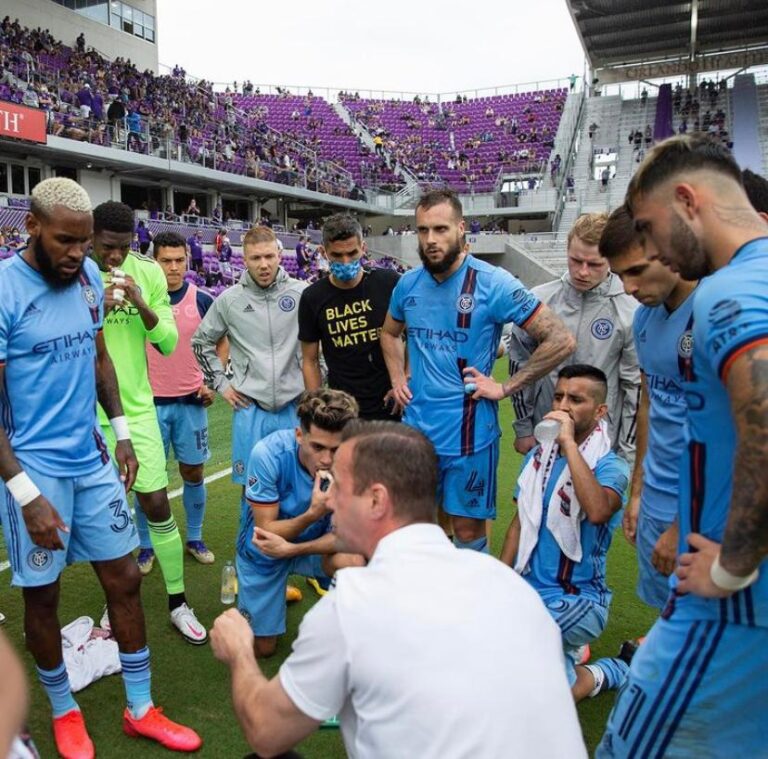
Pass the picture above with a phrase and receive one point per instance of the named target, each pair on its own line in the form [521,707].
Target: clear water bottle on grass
[228,583]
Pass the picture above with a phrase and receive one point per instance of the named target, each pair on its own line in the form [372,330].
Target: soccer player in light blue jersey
[699,683]
[452,310]
[562,552]
[61,499]
[662,329]
[286,505]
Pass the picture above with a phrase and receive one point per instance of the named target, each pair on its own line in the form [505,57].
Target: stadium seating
[466,144]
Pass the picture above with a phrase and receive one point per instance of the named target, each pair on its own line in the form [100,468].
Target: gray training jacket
[601,320]
[262,325]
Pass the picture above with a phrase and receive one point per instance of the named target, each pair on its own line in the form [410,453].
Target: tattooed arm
[555,344]
[745,541]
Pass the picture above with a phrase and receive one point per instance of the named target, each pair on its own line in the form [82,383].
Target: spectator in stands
[644,96]
[195,243]
[193,210]
[385,680]
[30,97]
[80,42]
[169,214]
[301,251]
[592,303]
[144,237]
[225,248]
[593,127]
[85,100]
[605,175]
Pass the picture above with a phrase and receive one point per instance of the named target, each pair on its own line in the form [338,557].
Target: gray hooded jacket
[262,325]
[601,320]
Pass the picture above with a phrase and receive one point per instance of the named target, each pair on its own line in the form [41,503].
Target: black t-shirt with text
[347,324]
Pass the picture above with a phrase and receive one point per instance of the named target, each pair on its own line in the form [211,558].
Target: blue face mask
[345,272]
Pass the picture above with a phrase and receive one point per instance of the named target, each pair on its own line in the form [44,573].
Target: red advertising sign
[22,123]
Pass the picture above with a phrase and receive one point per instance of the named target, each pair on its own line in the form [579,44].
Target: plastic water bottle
[228,583]
[546,431]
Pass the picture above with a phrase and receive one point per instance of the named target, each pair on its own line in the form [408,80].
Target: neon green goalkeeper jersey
[126,336]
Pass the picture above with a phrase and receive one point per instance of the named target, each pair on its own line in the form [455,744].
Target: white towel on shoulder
[564,512]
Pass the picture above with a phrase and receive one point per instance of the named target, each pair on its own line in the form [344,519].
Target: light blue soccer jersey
[275,475]
[47,344]
[664,346]
[452,325]
[730,315]
[552,573]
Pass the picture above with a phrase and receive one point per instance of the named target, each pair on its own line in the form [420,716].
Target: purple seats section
[465,144]
[662,127]
[313,122]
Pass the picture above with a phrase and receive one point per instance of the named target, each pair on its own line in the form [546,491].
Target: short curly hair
[112,216]
[168,240]
[58,191]
[327,409]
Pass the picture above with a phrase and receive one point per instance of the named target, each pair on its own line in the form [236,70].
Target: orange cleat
[72,739]
[156,727]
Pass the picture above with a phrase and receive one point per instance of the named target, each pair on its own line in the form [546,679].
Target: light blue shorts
[94,508]
[467,484]
[185,427]
[249,425]
[580,621]
[695,689]
[652,586]
[261,589]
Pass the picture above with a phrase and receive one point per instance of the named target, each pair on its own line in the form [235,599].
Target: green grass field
[194,688]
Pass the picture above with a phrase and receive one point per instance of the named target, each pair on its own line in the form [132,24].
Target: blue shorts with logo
[580,621]
[261,589]
[95,509]
[467,484]
[185,427]
[652,586]
[695,689]
[249,425]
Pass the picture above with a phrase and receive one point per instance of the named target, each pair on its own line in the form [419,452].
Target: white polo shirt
[431,651]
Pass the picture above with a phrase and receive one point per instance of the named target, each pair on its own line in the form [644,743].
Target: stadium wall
[66,25]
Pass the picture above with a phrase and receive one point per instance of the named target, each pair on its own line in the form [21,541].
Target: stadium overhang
[627,40]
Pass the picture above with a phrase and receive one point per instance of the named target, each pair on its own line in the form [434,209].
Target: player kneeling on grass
[569,499]
[286,495]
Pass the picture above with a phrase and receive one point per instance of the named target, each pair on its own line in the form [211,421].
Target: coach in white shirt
[428,651]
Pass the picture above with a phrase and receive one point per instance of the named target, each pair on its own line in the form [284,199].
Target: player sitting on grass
[286,496]
[569,497]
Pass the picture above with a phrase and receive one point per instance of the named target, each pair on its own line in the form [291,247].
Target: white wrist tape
[727,581]
[120,428]
[22,488]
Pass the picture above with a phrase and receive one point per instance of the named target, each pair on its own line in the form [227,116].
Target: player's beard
[440,267]
[49,274]
[689,253]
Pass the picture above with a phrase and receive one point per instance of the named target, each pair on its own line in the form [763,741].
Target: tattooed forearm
[745,542]
[555,344]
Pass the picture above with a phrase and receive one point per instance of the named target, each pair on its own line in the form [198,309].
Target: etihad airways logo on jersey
[82,341]
[78,345]
[443,335]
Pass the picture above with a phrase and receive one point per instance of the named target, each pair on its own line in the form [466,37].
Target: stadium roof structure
[641,39]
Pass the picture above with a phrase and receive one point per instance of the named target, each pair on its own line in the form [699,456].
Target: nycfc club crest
[602,329]
[465,304]
[39,558]
[89,296]
[239,467]
[685,345]
[287,303]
